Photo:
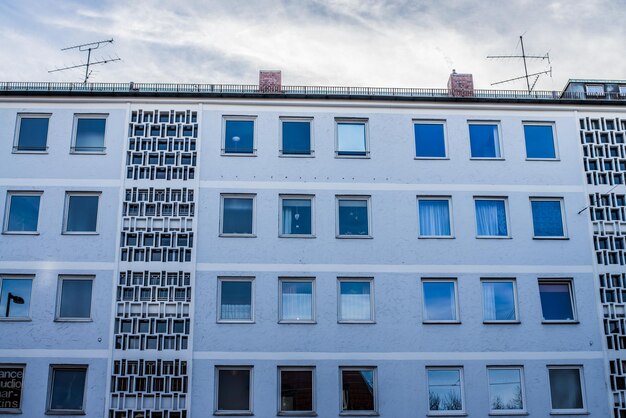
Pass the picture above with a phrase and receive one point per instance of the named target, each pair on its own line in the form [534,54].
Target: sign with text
[11,378]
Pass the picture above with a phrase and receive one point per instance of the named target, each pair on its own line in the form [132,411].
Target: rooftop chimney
[461,85]
[270,81]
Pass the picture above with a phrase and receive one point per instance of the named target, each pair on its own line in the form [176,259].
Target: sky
[378,43]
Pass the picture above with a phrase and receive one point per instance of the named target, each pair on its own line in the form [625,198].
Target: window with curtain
[239,136]
[296,137]
[556,300]
[358,390]
[235,300]
[444,390]
[351,138]
[75,300]
[23,213]
[233,389]
[237,216]
[439,301]
[547,218]
[429,140]
[296,301]
[33,133]
[484,140]
[355,300]
[566,388]
[491,218]
[499,301]
[539,140]
[505,389]
[353,217]
[434,217]
[296,216]
[296,390]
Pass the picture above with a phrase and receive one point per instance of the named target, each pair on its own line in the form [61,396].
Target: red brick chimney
[461,85]
[270,81]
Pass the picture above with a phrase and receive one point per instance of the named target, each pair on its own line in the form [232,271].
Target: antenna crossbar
[87,48]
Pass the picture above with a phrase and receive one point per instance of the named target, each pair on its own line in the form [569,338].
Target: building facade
[193,250]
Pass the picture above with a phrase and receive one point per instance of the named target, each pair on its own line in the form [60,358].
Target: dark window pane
[353,217]
[556,302]
[239,137]
[68,389]
[233,390]
[547,219]
[90,134]
[237,217]
[19,292]
[23,213]
[297,138]
[358,390]
[439,301]
[296,216]
[491,218]
[565,389]
[75,299]
[351,139]
[484,141]
[236,300]
[82,213]
[429,140]
[539,141]
[296,390]
[33,134]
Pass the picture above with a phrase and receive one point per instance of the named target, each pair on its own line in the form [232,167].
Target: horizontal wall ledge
[94,184]
[54,353]
[56,265]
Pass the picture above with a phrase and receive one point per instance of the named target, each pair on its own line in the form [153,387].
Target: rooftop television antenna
[525,57]
[88,48]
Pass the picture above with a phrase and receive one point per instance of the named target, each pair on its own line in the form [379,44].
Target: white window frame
[500,141]
[17,410]
[515,299]
[281,198]
[308,119]
[508,412]
[51,376]
[66,213]
[18,125]
[622,91]
[78,116]
[349,120]
[454,281]
[583,393]
[30,277]
[370,280]
[250,118]
[222,279]
[442,122]
[570,283]
[237,196]
[67,277]
[589,87]
[217,411]
[555,142]
[366,198]
[7,211]
[311,280]
[348,412]
[312,412]
[561,200]
[506,214]
[450,218]
[461,383]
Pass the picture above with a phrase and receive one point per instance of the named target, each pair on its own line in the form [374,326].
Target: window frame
[442,122]
[59,298]
[513,281]
[353,120]
[51,376]
[78,116]
[237,196]
[561,201]
[7,211]
[508,412]
[30,277]
[345,279]
[366,198]
[68,195]
[597,94]
[504,199]
[281,198]
[450,217]
[216,385]
[311,280]
[457,310]
[572,299]
[555,142]
[18,126]
[349,412]
[461,412]
[279,410]
[581,381]
[220,281]
[308,119]
[498,125]
[249,118]
[621,90]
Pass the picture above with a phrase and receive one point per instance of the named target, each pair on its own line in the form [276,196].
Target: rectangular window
[548,218]
[15,297]
[434,217]
[430,139]
[233,389]
[353,217]
[485,140]
[440,300]
[22,216]
[540,142]
[622,90]
[557,301]
[297,393]
[356,300]
[352,138]
[32,133]
[238,215]
[239,133]
[89,133]
[236,300]
[506,390]
[296,137]
[12,382]
[358,390]
[445,390]
[567,389]
[499,300]
[81,213]
[296,216]
[74,300]
[297,300]
[594,89]
[66,393]
[491,218]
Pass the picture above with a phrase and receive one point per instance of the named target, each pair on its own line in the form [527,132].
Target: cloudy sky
[402,43]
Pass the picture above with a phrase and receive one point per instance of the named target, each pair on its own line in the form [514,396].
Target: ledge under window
[20,233]
[551,238]
[561,322]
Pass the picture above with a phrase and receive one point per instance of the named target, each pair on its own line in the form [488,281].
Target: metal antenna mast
[88,48]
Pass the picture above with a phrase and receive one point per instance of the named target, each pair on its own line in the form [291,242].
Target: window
[233,390]
[239,136]
[12,384]
[297,394]
[352,138]
[66,392]
[434,217]
[74,301]
[506,390]
[440,301]
[22,216]
[499,300]
[32,133]
[296,137]
[622,90]
[353,217]
[81,213]
[356,300]
[429,139]
[484,140]
[491,218]
[548,218]
[445,390]
[557,302]
[89,133]
[296,216]
[594,89]
[15,297]
[567,389]
[297,300]
[237,215]
[539,141]
[358,390]
[235,300]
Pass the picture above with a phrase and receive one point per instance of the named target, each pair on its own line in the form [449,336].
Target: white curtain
[489,297]
[434,217]
[236,311]
[297,301]
[355,307]
[491,218]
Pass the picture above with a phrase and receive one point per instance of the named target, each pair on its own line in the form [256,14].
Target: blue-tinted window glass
[68,389]
[491,218]
[439,301]
[90,134]
[351,139]
[75,299]
[233,390]
[556,301]
[434,217]
[429,140]
[23,213]
[355,301]
[505,389]
[297,301]
[33,134]
[484,141]
[236,300]
[353,217]
[499,301]
[547,219]
[296,217]
[565,389]
[297,138]
[444,390]
[539,141]
[237,217]
[82,213]
[15,298]
[239,137]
